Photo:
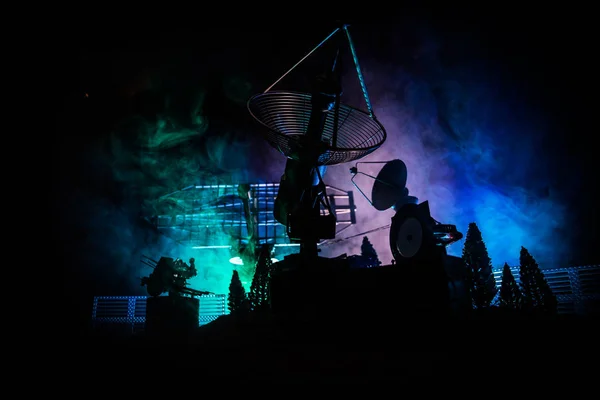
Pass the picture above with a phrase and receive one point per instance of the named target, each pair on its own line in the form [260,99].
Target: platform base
[328,289]
[167,315]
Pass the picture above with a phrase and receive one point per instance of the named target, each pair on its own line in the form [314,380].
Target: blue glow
[473,145]
[472,148]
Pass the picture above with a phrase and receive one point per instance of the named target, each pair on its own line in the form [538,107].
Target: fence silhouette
[127,314]
[577,289]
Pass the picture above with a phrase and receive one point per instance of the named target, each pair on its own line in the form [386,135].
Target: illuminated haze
[466,137]
[470,150]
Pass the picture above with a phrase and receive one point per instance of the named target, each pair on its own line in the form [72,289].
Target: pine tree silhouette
[259,289]
[236,300]
[480,279]
[367,250]
[537,295]
[510,295]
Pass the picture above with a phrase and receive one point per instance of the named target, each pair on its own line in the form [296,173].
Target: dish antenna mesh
[286,116]
[348,133]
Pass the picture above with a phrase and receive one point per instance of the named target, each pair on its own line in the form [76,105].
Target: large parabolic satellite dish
[286,115]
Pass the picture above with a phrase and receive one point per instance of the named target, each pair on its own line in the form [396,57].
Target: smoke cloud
[471,150]
[469,143]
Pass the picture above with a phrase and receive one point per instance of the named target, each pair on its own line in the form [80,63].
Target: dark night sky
[552,66]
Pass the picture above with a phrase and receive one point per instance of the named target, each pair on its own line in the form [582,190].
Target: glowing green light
[239,261]
[236,261]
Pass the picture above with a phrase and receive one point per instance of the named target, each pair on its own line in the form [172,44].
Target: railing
[128,313]
[577,289]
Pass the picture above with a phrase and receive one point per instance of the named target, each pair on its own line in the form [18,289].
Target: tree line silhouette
[531,295]
[258,297]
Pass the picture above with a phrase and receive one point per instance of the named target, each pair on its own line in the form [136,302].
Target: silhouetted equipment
[417,241]
[192,215]
[413,233]
[233,221]
[390,187]
[179,311]
[170,276]
[314,130]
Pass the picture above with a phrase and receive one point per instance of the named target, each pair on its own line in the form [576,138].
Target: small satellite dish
[390,185]
[410,237]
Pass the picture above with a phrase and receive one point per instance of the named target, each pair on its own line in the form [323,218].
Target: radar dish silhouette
[390,185]
[286,116]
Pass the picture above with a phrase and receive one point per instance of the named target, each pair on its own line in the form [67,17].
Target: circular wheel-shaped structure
[409,237]
[286,116]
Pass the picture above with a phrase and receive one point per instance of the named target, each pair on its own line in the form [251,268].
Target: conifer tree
[367,250]
[537,294]
[259,289]
[510,295]
[480,279]
[236,300]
